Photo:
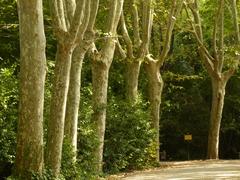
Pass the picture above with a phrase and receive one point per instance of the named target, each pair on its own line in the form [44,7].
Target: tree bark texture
[69,24]
[73,98]
[155,93]
[100,84]
[57,108]
[153,66]
[218,94]
[132,74]
[29,153]
[100,68]
[138,42]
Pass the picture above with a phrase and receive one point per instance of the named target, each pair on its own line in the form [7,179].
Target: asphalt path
[204,170]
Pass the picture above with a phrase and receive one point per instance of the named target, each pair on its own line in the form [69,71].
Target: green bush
[129,136]
[8,114]
[87,139]
[8,119]
[69,168]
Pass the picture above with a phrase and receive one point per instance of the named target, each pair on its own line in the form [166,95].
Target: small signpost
[188,138]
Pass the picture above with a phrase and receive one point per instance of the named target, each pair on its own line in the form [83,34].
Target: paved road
[204,170]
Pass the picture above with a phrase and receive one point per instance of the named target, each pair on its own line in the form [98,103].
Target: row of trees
[132,28]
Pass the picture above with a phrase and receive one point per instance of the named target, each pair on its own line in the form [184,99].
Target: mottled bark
[137,48]
[218,94]
[153,68]
[67,32]
[132,74]
[73,98]
[57,108]
[134,63]
[100,83]
[155,83]
[29,152]
[100,68]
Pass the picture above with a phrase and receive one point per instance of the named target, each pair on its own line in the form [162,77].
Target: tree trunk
[73,99]
[218,94]
[132,74]
[57,109]
[100,84]
[155,93]
[29,153]
[100,71]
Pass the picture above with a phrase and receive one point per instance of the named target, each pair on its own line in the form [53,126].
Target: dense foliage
[129,135]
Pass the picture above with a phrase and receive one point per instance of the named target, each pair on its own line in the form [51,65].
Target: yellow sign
[187,137]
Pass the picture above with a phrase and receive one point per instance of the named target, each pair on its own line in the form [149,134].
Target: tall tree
[214,64]
[233,4]
[153,65]
[73,99]
[69,20]
[29,153]
[135,48]
[100,68]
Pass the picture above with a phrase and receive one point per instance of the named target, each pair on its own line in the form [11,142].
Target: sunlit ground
[222,169]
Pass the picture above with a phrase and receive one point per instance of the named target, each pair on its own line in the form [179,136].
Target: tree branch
[146,28]
[69,9]
[113,20]
[229,73]
[215,35]
[77,19]
[221,36]
[121,50]
[236,26]
[117,15]
[174,12]
[85,21]
[136,31]
[57,13]
[197,32]
[94,10]
[126,37]
[235,20]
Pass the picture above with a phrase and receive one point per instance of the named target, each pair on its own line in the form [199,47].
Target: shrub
[8,119]
[87,139]
[129,136]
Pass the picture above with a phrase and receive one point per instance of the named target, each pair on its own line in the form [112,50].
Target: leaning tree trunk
[73,99]
[155,93]
[57,108]
[132,74]
[29,153]
[218,94]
